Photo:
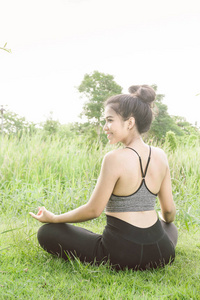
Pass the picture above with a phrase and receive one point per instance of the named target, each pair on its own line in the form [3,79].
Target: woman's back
[141,165]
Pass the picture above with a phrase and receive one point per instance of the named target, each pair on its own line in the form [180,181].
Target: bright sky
[55,42]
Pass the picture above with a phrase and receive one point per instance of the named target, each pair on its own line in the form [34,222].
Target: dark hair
[137,104]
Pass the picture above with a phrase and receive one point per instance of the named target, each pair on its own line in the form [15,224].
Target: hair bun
[144,92]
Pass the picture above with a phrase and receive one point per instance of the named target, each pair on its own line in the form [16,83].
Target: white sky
[55,42]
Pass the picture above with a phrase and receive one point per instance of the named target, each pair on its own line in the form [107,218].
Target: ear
[131,123]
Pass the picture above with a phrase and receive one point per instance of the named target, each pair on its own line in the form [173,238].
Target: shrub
[170,141]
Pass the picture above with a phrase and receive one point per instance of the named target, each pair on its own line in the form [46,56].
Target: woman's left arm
[109,175]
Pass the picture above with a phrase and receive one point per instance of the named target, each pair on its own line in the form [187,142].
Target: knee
[42,233]
[49,233]
[46,233]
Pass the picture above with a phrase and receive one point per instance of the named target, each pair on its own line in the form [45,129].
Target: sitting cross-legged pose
[130,180]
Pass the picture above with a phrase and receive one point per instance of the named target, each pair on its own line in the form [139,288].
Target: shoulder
[111,165]
[158,151]
[114,155]
[114,158]
[159,155]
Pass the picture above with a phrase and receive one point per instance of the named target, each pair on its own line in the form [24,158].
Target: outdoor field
[61,174]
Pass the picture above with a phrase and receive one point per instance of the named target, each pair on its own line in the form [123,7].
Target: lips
[108,134]
[110,137]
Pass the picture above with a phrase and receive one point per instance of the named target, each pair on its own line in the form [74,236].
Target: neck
[134,142]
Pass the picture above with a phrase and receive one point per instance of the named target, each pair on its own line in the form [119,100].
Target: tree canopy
[97,87]
[12,123]
[162,122]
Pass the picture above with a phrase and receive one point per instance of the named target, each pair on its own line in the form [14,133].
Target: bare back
[131,177]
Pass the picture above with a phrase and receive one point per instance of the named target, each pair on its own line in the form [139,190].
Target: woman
[130,180]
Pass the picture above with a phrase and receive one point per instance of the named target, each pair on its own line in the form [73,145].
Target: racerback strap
[148,161]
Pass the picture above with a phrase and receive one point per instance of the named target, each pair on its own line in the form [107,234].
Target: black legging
[121,244]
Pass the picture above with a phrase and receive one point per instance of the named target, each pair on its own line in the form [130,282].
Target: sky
[55,43]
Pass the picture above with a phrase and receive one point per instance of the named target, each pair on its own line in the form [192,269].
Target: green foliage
[185,173]
[186,127]
[162,122]
[13,124]
[5,49]
[61,174]
[51,126]
[193,140]
[65,131]
[170,141]
[35,171]
[97,87]
[88,133]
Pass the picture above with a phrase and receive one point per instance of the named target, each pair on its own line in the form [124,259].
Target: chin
[112,142]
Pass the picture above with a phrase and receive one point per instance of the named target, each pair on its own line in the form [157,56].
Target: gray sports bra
[141,200]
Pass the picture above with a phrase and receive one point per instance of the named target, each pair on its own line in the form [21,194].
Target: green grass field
[61,176]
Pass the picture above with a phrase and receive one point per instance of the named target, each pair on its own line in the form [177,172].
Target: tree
[97,87]
[51,126]
[14,124]
[162,122]
[185,126]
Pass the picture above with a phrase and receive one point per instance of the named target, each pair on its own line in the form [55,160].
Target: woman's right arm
[166,198]
[109,174]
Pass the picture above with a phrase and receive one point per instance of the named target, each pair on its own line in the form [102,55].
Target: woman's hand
[43,215]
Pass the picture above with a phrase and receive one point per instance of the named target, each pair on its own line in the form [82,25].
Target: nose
[105,127]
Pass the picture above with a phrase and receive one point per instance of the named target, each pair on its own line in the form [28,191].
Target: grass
[61,176]
[37,172]
[27,272]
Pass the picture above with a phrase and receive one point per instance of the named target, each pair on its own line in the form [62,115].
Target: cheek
[110,127]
